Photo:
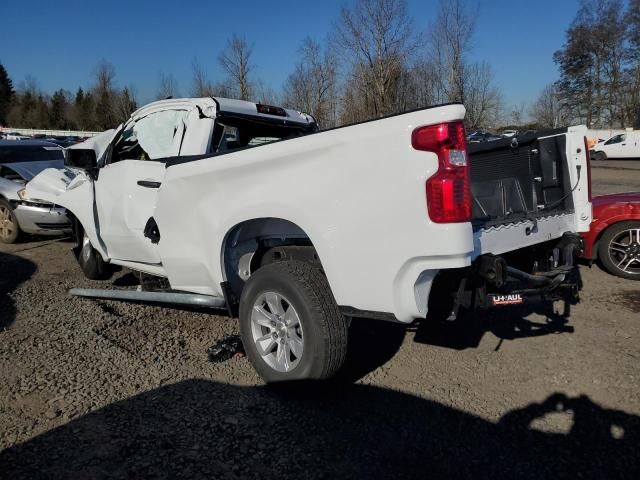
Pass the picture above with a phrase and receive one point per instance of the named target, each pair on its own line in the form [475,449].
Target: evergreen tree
[6,94]
[58,112]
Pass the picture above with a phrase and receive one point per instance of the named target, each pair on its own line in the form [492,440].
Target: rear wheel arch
[250,244]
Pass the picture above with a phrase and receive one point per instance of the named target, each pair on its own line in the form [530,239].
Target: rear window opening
[237,132]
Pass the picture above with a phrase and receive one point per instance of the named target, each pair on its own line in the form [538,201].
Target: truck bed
[520,178]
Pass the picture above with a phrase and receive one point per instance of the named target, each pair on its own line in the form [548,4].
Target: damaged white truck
[251,208]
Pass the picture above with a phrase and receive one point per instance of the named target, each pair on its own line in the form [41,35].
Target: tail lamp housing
[448,190]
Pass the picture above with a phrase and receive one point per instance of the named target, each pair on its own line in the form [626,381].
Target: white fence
[48,133]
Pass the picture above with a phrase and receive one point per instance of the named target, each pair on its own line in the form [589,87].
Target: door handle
[149,183]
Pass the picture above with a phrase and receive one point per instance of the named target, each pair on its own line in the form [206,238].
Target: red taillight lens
[448,190]
[588,154]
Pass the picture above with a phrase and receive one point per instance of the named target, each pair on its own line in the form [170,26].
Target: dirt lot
[96,389]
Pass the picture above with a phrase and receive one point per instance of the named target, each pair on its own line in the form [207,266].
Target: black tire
[610,259]
[91,262]
[599,156]
[9,227]
[324,339]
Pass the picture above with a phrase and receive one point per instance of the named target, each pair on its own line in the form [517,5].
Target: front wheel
[619,250]
[92,264]
[599,156]
[9,228]
[290,324]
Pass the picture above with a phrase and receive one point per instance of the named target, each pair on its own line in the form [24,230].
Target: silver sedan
[20,161]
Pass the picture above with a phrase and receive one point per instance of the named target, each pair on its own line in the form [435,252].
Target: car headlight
[33,202]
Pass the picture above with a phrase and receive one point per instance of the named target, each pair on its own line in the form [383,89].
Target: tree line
[377,62]
[599,67]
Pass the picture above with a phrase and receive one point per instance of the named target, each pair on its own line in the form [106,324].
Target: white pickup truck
[251,208]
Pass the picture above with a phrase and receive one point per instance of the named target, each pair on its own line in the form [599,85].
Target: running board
[173,298]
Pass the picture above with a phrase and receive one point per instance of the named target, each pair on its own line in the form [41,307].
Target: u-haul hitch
[492,283]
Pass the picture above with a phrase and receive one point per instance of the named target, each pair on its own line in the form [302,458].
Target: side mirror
[84,159]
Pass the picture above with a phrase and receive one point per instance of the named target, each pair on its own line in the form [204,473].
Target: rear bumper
[546,272]
[42,220]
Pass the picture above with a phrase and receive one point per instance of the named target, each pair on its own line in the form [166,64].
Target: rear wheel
[291,326]
[619,250]
[9,228]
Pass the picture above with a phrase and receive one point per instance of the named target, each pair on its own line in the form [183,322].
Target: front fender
[73,190]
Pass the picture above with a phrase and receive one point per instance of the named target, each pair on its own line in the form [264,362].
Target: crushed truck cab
[296,228]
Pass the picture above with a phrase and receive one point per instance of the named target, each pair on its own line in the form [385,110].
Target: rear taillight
[588,155]
[448,190]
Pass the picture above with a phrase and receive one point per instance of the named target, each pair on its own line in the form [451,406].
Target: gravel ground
[100,389]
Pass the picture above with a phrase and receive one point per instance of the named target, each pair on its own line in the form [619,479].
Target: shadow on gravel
[508,324]
[202,429]
[372,343]
[14,270]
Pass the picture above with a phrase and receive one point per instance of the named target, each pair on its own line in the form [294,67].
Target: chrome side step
[192,299]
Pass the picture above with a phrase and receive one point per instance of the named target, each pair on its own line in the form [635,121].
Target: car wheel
[290,324]
[599,156]
[619,250]
[90,260]
[9,228]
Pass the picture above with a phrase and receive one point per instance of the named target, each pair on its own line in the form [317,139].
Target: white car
[250,207]
[623,145]
[20,161]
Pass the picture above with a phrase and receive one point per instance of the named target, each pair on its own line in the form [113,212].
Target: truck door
[127,186]
[615,146]
[629,146]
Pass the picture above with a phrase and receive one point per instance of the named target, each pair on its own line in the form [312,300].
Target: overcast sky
[61,42]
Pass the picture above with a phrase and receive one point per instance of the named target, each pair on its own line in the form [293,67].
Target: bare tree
[450,41]
[420,86]
[518,113]
[265,94]
[312,87]
[125,104]
[104,92]
[168,87]
[483,100]
[376,37]
[592,62]
[236,61]
[201,86]
[631,95]
[548,111]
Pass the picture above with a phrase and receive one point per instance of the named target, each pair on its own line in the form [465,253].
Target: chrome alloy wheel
[624,251]
[86,248]
[277,331]
[7,227]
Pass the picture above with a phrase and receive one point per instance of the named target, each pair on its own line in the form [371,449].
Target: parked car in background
[20,161]
[16,136]
[623,145]
[510,133]
[614,236]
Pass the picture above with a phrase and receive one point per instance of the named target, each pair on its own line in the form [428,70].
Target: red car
[614,236]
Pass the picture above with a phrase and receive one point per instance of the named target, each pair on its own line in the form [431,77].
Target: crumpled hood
[28,170]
